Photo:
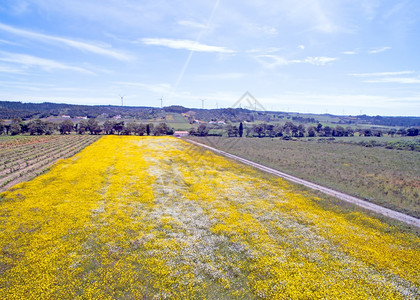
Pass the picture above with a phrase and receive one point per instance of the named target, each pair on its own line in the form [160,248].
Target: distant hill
[26,111]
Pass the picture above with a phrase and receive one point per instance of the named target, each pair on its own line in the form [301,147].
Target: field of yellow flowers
[156,217]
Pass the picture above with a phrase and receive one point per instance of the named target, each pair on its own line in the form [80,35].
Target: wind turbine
[202,103]
[161,102]
[122,100]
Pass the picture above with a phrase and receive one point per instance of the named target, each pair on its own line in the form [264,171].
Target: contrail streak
[187,62]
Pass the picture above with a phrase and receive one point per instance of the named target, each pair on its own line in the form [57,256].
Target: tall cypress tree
[241,129]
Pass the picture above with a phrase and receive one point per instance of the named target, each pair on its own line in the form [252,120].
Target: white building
[179,134]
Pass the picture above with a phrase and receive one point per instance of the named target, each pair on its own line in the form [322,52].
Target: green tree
[66,127]
[50,127]
[149,128]
[129,129]
[327,131]
[338,131]
[301,130]
[108,126]
[349,131]
[93,126]
[119,126]
[15,129]
[203,130]
[37,127]
[259,129]
[140,129]
[2,126]
[318,128]
[83,127]
[402,131]
[232,131]
[241,129]
[412,131]
[161,129]
[311,131]
[15,126]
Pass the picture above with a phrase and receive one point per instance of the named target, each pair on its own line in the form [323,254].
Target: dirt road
[362,203]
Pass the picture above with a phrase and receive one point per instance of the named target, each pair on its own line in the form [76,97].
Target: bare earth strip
[357,201]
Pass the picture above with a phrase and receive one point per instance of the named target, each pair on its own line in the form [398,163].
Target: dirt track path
[362,203]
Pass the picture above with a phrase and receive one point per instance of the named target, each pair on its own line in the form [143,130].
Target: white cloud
[46,64]
[381,74]
[379,50]
[349,52]
[264,29]
[319,60]
[404,80]
[82,46]
[301,47]
[7,69]
[388,77]
[276,60]
[222,76]
[185,44]
[264,50]
[8,42]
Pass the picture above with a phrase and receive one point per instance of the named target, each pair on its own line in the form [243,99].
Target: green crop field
[390,178]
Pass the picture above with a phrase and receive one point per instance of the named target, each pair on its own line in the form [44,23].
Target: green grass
[390,178]
[180,126]
[7,138]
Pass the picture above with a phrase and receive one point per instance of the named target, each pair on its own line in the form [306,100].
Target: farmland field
[24,157]
[155,217]
[390,178]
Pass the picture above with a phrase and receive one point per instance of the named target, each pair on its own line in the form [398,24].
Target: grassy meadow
[157,218]
[390,178]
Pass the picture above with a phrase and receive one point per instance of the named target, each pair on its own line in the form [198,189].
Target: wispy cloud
[185,44]
[82,46]
[31,61]
[379,50]
[262,29]
[404,80]
[8,42]
[8,69]
[276,60]
[381,74]
[349,52]
[319,60]
[388,77]
[222,76]
[263,51]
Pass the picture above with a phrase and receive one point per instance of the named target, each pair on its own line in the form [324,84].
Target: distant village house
[179,134]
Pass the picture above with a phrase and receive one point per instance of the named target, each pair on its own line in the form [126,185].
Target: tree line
[90,126]
[260,130]
[291,130]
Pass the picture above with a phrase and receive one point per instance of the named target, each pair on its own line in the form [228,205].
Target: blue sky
[351,57]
